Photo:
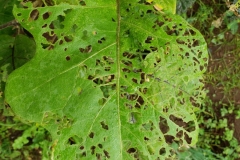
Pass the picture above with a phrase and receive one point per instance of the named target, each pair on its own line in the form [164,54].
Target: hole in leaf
[127,63]
[98,156]
[93,150]
[34,15]
[170,31]
[91,135]
[82,3]
[106,153]
[131,150]
[190,32]
[169,138]
[149,11]
[162,151]
[149,39]
[46,15]
[179,41]
[154,49]
[132,97]
[50,37]
[143,90]
[134,80]
[60,42]
[68,58]
[19,14]
[179,134]
[47,46]
[87,49]
[126,70]
[159,23]
[177,121]
[113,20]
[146,139]
[140,102]
[81,147]
[44,26]
[68,38]
[84,154]
[74,140]
[100,145]
[104,126]
[101,40]
[187,138]
[163,125]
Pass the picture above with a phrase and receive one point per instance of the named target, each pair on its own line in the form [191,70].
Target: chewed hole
[91,135]
[68,58]
[187,138]
[68,38]
[87,49]
[162,151]
[60,42]
[146,139]
[93,150]
[104,126]
[101,40]
[74,140]
[82,3]
[106,153]
[100,145]
[44,26]
[34,15]
[149,39]
[131,150]
[81,147]
[46,15]
[50,37]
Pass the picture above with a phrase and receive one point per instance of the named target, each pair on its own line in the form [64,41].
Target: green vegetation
[135,77]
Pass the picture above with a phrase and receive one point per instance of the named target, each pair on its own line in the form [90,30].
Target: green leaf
[6,14]
[13,54]
[233,26]
[23,54]
[6,42]
[112,80]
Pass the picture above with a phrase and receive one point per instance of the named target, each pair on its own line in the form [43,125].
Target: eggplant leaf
[110,79]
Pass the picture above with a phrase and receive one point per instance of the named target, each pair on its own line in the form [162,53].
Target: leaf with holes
[110,80]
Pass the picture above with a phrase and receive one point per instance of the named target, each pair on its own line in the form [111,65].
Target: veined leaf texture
[110,79]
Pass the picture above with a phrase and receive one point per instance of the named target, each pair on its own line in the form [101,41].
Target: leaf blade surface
[110,80]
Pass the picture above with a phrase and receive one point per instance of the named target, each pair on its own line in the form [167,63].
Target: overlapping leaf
[110,80]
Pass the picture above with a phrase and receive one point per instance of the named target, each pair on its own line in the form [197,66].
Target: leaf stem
[8,24]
